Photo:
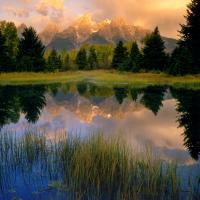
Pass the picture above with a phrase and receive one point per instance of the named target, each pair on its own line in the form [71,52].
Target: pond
[164,119]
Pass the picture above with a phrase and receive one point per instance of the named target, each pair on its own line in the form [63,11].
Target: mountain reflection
[89,102]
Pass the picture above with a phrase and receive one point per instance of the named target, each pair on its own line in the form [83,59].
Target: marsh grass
[96,167]
[101,77]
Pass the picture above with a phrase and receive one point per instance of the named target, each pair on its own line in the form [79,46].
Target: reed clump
[96,167]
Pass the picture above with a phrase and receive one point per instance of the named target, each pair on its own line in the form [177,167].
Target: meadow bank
[101,77]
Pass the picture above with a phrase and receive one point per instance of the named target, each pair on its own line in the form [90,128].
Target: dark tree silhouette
[29,100]
[189,118]
[92,59]
[135,58]
[153,97]
[181,61]
[9,32]
[121,93]
[3,54]
[190,33]
[82,88]
[120,57]
[81,59]
[135,92]
[154,56]
[9,105]
[54,61]
[31,52]
[92,89]
[32,101]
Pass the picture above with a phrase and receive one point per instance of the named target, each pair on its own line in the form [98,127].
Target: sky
[167,14]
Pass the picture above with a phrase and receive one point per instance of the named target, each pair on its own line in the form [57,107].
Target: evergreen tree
[135,58]
[181,61]
[81,59]
[65,60]
[54,61]
[120,57]
[190,34]
[9,31]
[154,56]
[92,59]
[3,53]
[31,52]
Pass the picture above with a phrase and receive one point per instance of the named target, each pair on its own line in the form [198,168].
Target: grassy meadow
[101,77]
[97,167]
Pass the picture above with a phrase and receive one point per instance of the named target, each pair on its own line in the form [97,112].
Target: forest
[27,53]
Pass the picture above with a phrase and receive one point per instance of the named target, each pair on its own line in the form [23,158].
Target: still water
[165,119]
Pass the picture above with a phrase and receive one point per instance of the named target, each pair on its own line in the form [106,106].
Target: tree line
[27,53]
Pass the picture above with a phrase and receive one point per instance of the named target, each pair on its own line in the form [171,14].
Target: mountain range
[84,30]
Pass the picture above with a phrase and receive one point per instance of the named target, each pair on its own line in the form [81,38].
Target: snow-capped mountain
[85,30]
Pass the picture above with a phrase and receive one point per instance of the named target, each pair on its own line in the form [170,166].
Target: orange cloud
[17,12]
[54,8]
[148,13]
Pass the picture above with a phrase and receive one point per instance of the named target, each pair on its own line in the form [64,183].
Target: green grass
[101,77]
[97,167]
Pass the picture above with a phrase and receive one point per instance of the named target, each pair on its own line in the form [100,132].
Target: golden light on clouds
[148,13]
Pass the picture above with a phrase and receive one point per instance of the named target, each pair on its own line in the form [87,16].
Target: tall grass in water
[97,167]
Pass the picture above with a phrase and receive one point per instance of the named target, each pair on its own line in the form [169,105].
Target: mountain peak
[52,27]
[118,21]
[84,20]
[49,32]
[85,30]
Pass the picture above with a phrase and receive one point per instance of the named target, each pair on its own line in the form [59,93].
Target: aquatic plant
[96,167]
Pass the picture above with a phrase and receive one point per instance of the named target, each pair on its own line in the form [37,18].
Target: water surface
[165,119]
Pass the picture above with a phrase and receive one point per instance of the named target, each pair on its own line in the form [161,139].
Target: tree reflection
[135,92]
[32,102]
[29,100]
[9,105]
[153,97]
[82,88]
[121,93]
[188,107]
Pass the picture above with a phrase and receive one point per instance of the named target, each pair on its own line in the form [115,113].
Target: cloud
[26,1]
[17,12]
[54,8]
[149,13]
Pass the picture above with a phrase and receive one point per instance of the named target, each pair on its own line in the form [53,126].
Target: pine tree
[181,61]
[31,52]
[120,57]
[135,58]
[9,32]
[81,59]
[190,34]
[154,56]
[3,53]
[65,60]
[92,59]
[54,61]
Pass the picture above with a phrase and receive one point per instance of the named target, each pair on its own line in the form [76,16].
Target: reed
[96,167]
